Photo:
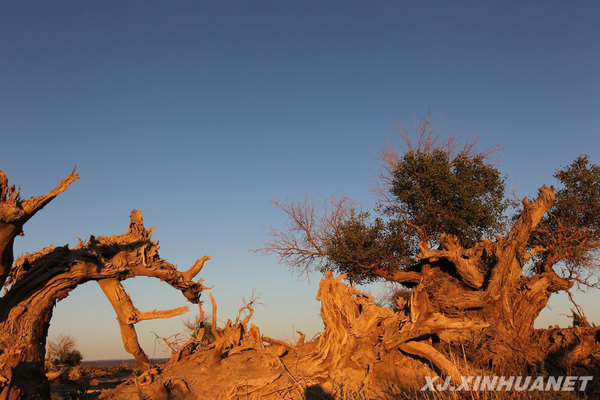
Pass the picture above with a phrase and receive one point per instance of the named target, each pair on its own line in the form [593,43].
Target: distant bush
[71,358]
[62,350]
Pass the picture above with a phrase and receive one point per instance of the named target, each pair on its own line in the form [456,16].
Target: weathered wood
[34,283]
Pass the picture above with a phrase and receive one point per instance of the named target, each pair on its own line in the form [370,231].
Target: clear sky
[199,113]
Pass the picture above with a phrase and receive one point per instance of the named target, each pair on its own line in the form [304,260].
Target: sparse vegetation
[194,326]
[62,349]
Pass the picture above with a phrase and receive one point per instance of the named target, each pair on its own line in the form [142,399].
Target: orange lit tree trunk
[34,283]
[503,296]
[485,284]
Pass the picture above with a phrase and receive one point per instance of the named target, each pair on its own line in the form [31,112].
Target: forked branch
[304,244]
[34,204]
[196,268]
[14,213]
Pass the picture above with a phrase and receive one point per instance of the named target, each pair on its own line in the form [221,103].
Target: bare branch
[196,268]
[160,314]
[128,315]
[530,217]
[213,325]
[248,308]
[126,312]
[59,346]
[172,342]
[301,339]
[34,204]
[14,213]
[304,245]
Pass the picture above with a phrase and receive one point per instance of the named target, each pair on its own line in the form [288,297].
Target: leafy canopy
[435,188]
[462,196]
[431,189]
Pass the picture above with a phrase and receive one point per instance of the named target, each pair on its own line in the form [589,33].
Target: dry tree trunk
[456,283]
[34,283]
[485,283]
[128,315]
[363,348]
[368,346]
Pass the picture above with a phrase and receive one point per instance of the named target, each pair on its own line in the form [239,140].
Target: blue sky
[199,113]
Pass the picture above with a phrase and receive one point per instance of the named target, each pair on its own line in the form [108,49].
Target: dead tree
[364,348]
[34,283]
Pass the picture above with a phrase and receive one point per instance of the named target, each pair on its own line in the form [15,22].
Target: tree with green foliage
[445,227]
[71,358]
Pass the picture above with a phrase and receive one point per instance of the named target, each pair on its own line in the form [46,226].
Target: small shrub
[71,358]
[62,350]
